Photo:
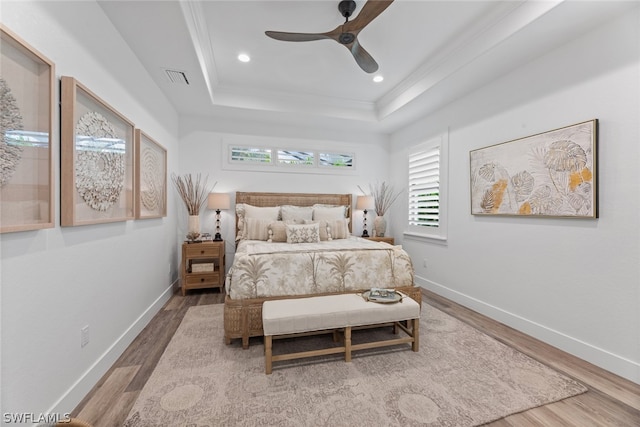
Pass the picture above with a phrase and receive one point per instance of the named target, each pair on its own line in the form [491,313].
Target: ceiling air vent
[179,77]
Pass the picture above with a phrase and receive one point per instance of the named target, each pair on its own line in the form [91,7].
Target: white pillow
[297,214]
[270,213]
[256,229]
[303,233]
[329,213]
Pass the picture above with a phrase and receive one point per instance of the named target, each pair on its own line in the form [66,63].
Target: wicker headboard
[296,199]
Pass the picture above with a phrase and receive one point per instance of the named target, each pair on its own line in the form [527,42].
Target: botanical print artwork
[10,120]
[100,171]
[549,174]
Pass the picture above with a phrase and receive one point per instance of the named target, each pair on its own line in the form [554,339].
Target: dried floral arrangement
[383,196]
[192,191]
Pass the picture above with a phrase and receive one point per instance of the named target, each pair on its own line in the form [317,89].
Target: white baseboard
[600,357]
[85,383]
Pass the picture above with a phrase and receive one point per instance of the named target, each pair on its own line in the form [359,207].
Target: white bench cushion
[290,316]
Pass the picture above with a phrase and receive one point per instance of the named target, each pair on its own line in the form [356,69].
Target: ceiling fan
[347,33]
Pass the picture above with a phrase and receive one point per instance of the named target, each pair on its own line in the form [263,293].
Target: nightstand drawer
[204,251]
[203,279]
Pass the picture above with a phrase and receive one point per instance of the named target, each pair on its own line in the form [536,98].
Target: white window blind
[424,187]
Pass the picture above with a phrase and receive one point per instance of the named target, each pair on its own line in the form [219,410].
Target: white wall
[572,283]
[201,151]
[112,277]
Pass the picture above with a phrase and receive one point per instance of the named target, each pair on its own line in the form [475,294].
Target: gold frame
[27,198]
[97,182]
[551,175]
[148,151]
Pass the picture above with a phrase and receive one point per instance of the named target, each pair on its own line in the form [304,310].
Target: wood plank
[106,397]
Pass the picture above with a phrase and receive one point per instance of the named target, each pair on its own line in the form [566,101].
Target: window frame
[275,147]
[434,234]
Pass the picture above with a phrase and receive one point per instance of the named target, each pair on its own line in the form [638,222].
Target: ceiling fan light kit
[347,33]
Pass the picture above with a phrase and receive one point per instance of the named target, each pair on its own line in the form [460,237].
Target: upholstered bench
[329,313]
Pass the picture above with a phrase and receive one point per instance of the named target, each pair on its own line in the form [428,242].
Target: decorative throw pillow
[277,232]
[244,211]
[324,234]
[296,214]
[256,229]
[303,233]
[338,229]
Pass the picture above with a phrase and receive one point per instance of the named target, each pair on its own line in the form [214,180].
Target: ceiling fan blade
[296,37]
[363,58]
[369,12]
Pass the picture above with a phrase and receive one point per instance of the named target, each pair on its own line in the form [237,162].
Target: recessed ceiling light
[378,78]
[243,57]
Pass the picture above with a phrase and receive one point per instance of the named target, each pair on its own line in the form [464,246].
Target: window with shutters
[426,188]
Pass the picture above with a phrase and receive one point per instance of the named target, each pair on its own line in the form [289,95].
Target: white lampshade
[365,203]
[219,201]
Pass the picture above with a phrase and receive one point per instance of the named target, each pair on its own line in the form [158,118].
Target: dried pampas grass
[192,191]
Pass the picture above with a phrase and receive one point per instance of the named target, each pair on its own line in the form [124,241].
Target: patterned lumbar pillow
[303,233]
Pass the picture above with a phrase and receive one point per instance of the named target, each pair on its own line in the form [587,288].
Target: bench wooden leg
[347,344]
[268,342]
[415,345]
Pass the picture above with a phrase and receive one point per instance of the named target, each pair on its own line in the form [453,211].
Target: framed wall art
[96,159]
[150,177]
[551,174]
[26,123]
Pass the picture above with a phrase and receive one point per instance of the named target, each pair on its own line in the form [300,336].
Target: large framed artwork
[26,122]
[96,159]
[551,174]
[151,177]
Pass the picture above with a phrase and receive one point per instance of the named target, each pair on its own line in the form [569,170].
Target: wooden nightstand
[388,240]
[202,265]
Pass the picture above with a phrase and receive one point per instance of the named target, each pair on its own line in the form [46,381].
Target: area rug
[460,377]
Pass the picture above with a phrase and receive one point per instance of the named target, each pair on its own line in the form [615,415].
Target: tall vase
[194,224]
[380,225]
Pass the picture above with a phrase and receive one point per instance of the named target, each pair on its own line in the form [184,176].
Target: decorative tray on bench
[383,296]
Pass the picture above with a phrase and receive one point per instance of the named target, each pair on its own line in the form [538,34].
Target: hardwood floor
[610,401]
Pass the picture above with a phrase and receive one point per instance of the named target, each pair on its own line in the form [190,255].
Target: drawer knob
[202,279]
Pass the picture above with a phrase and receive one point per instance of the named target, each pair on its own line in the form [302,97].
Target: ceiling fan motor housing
[346,8]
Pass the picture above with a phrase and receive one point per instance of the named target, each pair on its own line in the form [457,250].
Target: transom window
[271,158]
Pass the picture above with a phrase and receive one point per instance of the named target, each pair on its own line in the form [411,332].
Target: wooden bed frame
[243,318]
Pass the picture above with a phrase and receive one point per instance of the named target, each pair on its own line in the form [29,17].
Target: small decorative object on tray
[382,295]
[192,237]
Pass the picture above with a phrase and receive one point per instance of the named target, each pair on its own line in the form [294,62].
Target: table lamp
[218,202]
[364,203]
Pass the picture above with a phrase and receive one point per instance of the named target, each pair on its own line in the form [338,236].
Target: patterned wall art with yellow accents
[551,174]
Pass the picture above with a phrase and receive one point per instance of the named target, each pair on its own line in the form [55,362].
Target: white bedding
[262,269]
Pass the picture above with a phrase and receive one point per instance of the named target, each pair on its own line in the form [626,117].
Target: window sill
[425,238]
